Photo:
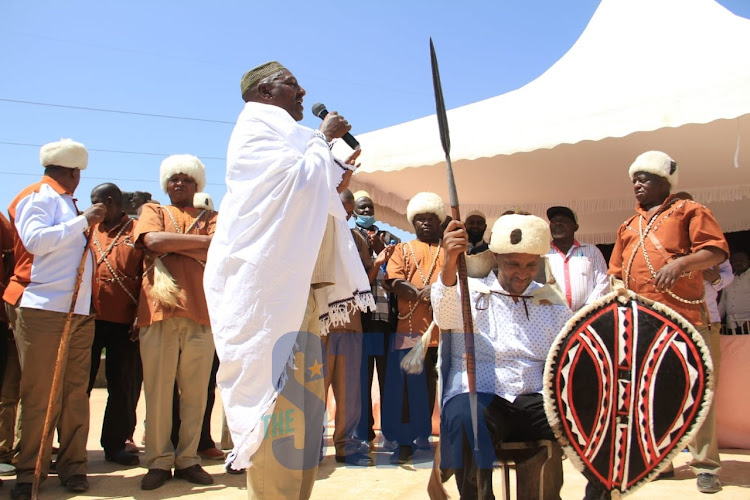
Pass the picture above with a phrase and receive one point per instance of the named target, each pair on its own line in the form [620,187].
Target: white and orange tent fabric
[645,74]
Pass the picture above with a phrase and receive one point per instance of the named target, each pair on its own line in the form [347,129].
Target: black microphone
[319,110]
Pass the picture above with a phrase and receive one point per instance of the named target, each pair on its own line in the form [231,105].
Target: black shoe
[402,455]
[708,483]
[122,457]
[355,459]
[194,474]
[229,470]
[77,483]
[155,478]
[21,491]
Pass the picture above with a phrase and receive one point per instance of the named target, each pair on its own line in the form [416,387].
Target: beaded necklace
[425,281]
[103,258]
[179,231]
[642,244]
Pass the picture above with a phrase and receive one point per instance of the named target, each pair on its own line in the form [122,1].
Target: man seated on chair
[513,335]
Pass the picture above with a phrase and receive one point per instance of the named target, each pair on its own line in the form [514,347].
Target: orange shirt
[421,268]
[681,227]
[117,278]
[6,247]
[187,272]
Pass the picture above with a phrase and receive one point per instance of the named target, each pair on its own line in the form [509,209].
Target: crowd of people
[276,299]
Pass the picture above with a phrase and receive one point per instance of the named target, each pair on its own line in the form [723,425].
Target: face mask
[365,221]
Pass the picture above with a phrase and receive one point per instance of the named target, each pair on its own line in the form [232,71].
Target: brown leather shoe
[155,478]
[130,446]
[194,474]
[211,454]
[77,483]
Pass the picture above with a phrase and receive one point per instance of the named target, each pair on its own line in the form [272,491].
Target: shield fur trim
[609,413]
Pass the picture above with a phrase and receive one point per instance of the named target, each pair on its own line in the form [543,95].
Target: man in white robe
[262,266]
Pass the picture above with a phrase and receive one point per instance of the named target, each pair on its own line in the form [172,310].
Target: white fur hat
[183,164]
[64,153]
[203,201]
[425,203]
[515,233]
[657,163]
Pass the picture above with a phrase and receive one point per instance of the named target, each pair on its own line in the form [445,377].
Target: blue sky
[367,59]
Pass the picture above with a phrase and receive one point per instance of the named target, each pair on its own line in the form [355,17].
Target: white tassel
[165,290]
[413,363]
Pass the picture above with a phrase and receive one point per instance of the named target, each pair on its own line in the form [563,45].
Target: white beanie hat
[515,233]
[64,153]
[478,213]
[183,164]
[361,194]
[425,203]
[657,163]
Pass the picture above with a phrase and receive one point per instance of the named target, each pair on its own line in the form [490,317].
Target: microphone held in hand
[319,110]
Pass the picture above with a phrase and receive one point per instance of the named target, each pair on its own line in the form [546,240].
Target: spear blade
[442,116]
[463,283]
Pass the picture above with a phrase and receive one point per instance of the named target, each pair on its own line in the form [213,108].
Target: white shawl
[281,188]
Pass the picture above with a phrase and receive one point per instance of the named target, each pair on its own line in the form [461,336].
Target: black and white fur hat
[516,233]
[657,163]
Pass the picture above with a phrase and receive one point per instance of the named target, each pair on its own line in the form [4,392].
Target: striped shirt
[712,291]
[581,273]
[735,301]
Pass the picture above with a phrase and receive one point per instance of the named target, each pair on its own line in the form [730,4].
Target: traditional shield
[627,384]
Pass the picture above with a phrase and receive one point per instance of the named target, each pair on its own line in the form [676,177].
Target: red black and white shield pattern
[626,386]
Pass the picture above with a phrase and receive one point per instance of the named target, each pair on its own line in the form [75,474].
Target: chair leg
[506,480]
[529,476]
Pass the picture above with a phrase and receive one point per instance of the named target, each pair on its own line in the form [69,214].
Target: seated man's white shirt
[510,348]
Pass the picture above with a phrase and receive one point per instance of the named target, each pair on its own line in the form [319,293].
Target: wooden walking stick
[57,375]
[462,275]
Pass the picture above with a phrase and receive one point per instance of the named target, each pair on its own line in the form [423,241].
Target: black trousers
[374,355]
[499,421]
[206,441]
[123,377]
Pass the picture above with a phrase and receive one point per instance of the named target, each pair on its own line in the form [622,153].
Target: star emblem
[315,369]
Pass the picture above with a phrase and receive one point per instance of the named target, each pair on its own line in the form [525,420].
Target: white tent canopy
[671,75]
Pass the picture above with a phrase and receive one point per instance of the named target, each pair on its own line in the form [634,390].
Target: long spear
[57,376]
[462,275]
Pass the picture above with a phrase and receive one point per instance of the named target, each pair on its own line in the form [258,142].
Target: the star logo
[315,369]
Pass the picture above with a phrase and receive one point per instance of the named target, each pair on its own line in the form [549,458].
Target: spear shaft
[462,274]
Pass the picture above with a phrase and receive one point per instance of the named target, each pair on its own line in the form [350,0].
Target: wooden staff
[462,274]
[62,357]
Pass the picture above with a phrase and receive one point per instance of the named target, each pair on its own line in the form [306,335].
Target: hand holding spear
[462,274]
